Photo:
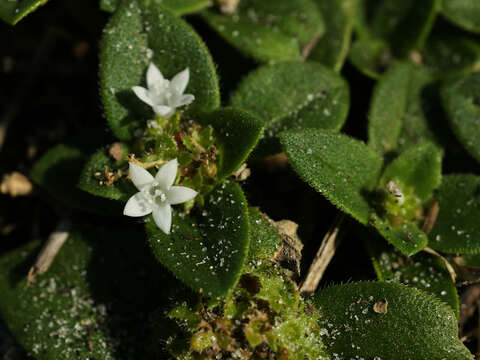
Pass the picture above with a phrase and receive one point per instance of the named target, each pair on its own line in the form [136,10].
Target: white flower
[163,95]
[156,194]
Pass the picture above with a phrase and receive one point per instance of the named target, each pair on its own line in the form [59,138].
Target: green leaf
[415,325]
[294,95]
[341,168]
[177,7]
[207,250]
[457,229]
[461,101]
[94,181]
[58,171]
[447,53]
[423,271]
[407,237]
[94,300]
[464,13]
[12,11]
[332,48]
[388,107]
[264,238]
[267,30]
[236,133]
[370,57]
[136,36]
[419,168]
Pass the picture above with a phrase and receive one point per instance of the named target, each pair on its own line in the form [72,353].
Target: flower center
[154,194]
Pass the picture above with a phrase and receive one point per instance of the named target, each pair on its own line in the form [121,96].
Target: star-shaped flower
[156,194]
[163,95]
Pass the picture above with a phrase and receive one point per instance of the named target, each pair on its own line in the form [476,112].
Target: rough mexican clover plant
[320,201]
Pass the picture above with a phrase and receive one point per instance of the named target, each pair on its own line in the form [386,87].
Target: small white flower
[156,194]
[163,95]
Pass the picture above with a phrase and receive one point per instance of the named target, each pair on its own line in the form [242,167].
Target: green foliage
[462,105]
[370,57]
[264,238]
[423,271]
[294,95]
[133,38]
[106,177]
[414,325]
[464,13]
[12,11]
[267,30]
[206,250]
[236,134]
[58,171]
[332,48]
[420,168]
[457,226]
[92,302]
[177,7]
[341,168]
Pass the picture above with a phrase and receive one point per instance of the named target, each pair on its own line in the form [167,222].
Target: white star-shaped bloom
[163,95]
[156,194]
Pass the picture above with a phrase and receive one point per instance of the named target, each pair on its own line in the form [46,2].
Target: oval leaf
[177,7]
[370,56]
[294,95]
[58,171]
[406,323]
[12,11]
[269,30]
[464,13]
[236,132]
[423,271]
[457,229]
[104,176]
[93,300]
[407,237]
[419,168]
[341,168]
[332,48]
[135,37]
[388,107]
[264,238]
[461,101]
[207,250]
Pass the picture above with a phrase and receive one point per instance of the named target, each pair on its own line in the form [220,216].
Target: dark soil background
[49,95]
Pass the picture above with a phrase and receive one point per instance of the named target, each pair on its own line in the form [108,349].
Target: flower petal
[180,194]
[139,176]
[142,94]
[162,215]
[186,99]
[137,206]
[167,174]
[153,75]
[180,81]
[163,110]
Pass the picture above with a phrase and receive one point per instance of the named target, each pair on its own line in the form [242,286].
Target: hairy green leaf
[264,238]
[236,132]
[370,57]
[294,95]
[388,107]
[207,250]
[407,237]
[58,171]
[12,11]
[413,325]
[461,100]
[136,36]
[332,48]
[92,302]
[269,30]
[457,229]
[423,271]
[96,172]
[177,7]
[464,13]
[341,168]
[419,168]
